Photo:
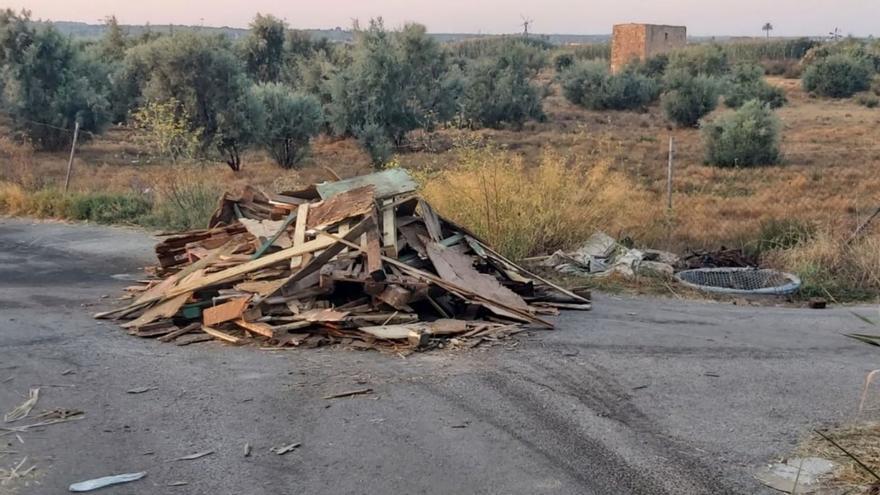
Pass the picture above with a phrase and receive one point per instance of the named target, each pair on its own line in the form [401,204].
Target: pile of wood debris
[364,262]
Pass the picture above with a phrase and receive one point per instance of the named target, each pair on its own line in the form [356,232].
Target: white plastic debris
[807,471]
[89,485]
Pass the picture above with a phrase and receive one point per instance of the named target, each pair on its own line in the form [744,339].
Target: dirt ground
[829,175]
[638,396]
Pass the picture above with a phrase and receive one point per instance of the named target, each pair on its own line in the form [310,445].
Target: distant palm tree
[767,28]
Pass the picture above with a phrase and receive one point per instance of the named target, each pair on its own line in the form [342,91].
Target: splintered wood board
[454,266]
[228,311]
[387,183]
[165,309]
[357,202]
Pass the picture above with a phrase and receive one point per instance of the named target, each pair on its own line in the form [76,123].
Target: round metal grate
[740,280]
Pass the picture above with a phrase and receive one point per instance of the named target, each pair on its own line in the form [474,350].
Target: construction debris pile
[364,262]
[601,255]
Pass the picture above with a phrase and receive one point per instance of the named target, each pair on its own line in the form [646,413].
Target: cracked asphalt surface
[638,396]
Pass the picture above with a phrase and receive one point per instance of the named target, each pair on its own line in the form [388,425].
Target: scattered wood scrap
[362,262]
[350,393]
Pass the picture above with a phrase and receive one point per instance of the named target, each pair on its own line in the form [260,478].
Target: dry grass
[860,439]
[525,211]
[828,265]
[829,176]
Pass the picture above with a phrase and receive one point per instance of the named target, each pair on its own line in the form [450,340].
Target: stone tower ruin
[639,41]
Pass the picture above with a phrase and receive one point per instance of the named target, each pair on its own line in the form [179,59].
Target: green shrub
[746,137]
[838,76]
[589,84]
[869,100]
[184,204]
[396,82]
[708,60]
[48,84]
[291,121]
[496,91]
[746,83]
[373,138]
[167,128]
[689,98]
[108,208]
[654,67]
[563,61]
[782,234]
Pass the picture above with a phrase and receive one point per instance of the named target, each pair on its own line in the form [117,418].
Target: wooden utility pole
[669,174]
[72,152]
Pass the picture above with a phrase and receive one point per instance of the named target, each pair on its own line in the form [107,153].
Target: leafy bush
[263,48]
[49,85]
[185,200]
[167,127]
[782,234]
[869,100]
[708,60]
[589,84]
[396,82]
[204,75]
[496,91]
[533,51]
[838,76]
[291,120]
[747,137]
[654,67]
[689,98]
[107,208]
[746,83]
[563,61]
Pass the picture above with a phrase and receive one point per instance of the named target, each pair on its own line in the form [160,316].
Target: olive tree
[49,85]
[393,84]
[263,48]
[203,74]
[290,121]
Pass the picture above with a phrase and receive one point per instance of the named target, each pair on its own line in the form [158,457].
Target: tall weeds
[524,211]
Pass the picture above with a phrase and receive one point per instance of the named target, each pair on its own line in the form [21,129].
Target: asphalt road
[639,396]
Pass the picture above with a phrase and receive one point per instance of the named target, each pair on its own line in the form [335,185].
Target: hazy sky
[703,17]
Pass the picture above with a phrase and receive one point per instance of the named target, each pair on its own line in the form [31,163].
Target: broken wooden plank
[221,335]
[455,289]
[397,297]
[432,221]
[513,266]
[354,203]
[280,229]
[389,229]
[350,393]
[192,339]
[260,287]
[387,183]
[165,309]
[373,250]
[393,332]
[179,332]
[232,273]
[299,235]
[258,328]
[333,248]
[227,311]
[457,268]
